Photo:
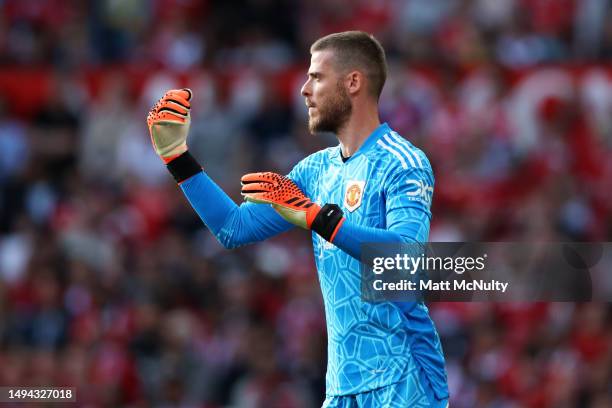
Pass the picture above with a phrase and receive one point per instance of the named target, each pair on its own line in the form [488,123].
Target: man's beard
[332,114]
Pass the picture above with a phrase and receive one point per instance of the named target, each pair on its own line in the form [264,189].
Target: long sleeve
[231,224]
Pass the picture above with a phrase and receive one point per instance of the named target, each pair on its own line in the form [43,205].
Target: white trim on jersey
[400,148]
[396,154]
[402,141]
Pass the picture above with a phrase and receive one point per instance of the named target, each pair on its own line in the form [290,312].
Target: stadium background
[110,283]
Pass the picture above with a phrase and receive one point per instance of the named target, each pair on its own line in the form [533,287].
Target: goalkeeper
[373,187]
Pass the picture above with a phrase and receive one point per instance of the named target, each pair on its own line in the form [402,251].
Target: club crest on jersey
[353,195]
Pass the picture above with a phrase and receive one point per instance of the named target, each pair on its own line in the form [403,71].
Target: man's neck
[356,131]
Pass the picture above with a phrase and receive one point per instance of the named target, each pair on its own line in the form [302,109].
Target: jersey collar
[379,132]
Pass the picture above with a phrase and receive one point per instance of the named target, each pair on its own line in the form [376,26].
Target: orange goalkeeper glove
[291,203]
[168,123]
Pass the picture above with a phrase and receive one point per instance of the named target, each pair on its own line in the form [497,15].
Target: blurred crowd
[110,283]
[182,34]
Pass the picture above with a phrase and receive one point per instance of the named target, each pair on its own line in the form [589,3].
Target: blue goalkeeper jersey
[385,191]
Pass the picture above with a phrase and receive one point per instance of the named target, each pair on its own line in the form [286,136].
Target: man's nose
[305,89]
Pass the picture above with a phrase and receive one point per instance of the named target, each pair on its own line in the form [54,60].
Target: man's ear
[354,81]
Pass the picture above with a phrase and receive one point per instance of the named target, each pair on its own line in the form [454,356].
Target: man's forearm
[351,236]
[231,224]
[209,201]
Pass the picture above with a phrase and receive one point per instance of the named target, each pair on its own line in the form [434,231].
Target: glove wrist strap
[327,221]
[184,167]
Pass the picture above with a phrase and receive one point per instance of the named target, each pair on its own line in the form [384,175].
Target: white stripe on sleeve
[408,150]
[395,153]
